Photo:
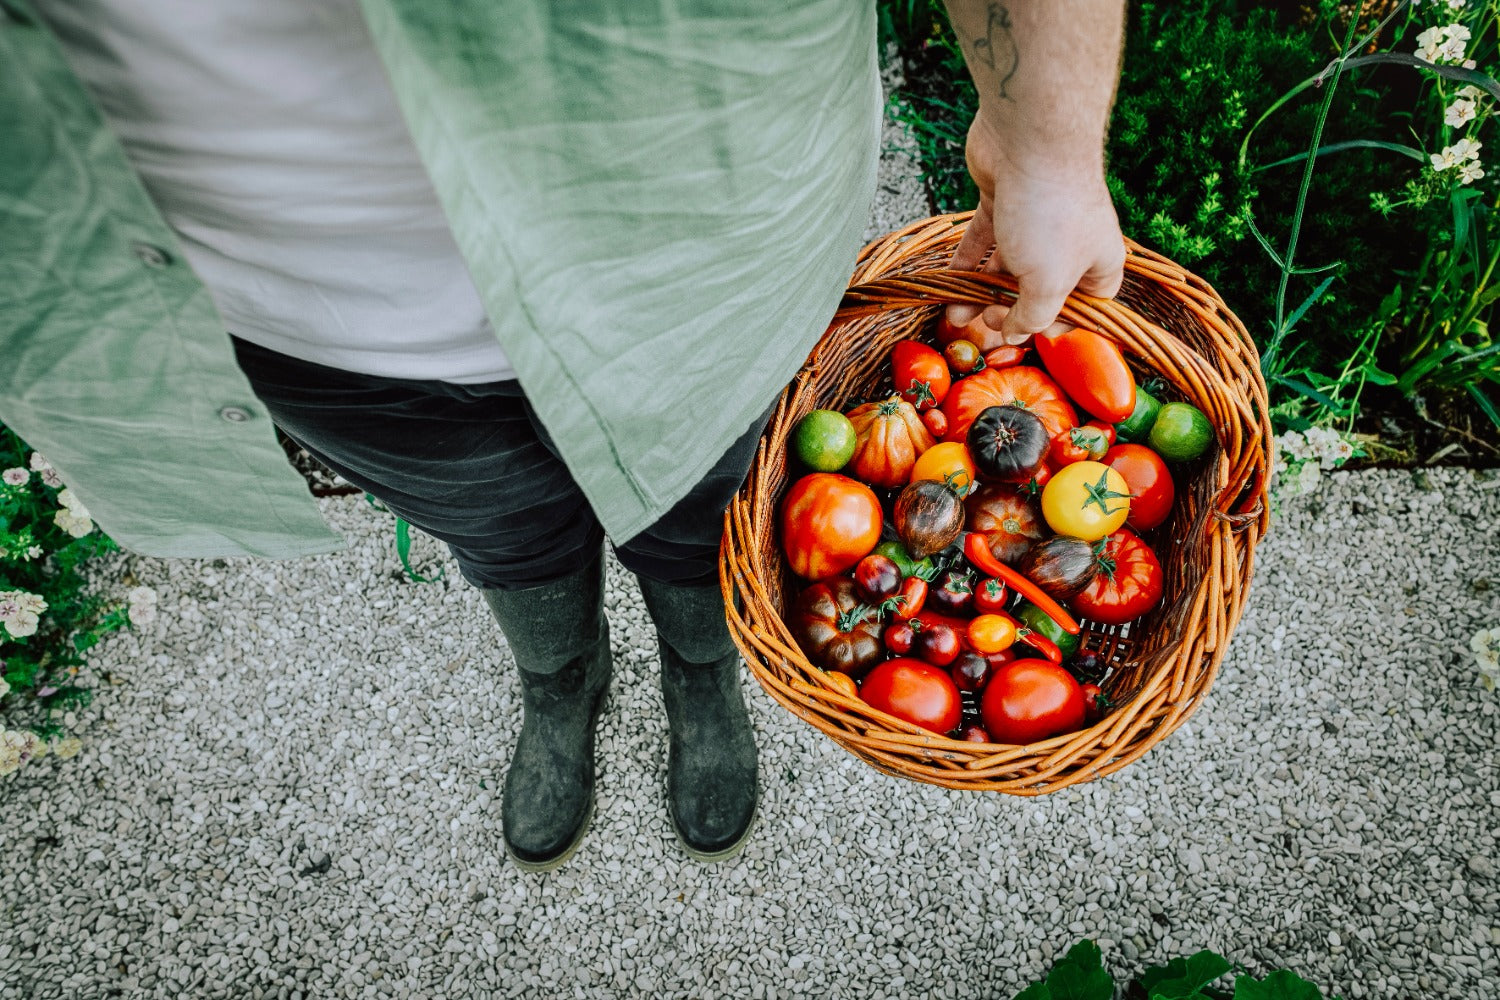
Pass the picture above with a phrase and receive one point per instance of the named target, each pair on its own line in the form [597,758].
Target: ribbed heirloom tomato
[829,522]
[1023,386]
[1127,581]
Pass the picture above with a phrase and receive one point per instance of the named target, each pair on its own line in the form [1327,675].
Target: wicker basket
[1161,665]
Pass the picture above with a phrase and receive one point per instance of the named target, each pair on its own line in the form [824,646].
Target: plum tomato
[1004,357]
[917,692]
[1092,371]
[1149,481]
[877,577]
[1031,700]
[843,682]
[937,645]
[936,421]
[829,522]
[920,374]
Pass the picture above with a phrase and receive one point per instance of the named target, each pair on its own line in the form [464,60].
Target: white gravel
[288,790]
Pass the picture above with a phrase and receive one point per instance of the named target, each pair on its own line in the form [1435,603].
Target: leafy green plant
[1080,975]
[48,617]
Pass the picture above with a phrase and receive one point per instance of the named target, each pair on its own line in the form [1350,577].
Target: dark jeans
[472,466]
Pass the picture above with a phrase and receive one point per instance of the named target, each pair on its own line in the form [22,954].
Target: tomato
[992,633]
[950,458]
[898,637]
[1080,444]
[1095,702]
[920,374]
[937,644]
[824,440]
[975,332]
[877,577]
[835,628]
[1092,371]
[1030,388]
[1137,426]
[888,438]
[917,692]
[829,522]
[963,358]
[936,421]
[1031,700]
[1126,584]
[1087,500]
[1149,482]
[929,618]
[952,592]
[910,599]
[843,682]
[990,596]
[1004,357]
[1039,480]
[1010,522]
[1180,433]
[971,672]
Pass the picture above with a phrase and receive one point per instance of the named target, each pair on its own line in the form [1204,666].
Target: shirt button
[235,414]
[153,257]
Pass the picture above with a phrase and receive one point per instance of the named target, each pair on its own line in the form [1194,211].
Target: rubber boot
[712,767]
[561,643]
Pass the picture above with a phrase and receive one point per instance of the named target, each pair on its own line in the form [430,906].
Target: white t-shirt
[269,137]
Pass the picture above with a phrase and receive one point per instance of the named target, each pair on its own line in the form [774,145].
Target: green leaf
[1485,404]
[1339,147]
[1078,975]
[1306,390]
[1184,978]
[1307,303]
[1279,985]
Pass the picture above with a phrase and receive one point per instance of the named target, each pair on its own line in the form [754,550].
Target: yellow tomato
[943,460]
[1087,500]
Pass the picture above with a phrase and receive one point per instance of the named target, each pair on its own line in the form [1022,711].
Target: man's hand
[1046,72]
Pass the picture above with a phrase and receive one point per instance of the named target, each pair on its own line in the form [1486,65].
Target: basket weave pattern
[1162,664]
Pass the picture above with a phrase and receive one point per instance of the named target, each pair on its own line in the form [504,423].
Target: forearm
[1046,73]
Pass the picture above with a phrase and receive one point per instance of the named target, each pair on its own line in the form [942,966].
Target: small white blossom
[35,603]
[38,463]
[142,605]
[1470,172]
[22,625]
[1469,93]
[73,523]
[16,748]
[1444,44]
[1486,647]
[1443,160]
[1295,445]
[35,552]
[1467,149]
[70,500]
[16,477]
[10,608]
[51,478]
[1308,477]
[1457,4]
[1459,113]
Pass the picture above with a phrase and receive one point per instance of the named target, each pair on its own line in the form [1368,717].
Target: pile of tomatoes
[956,529]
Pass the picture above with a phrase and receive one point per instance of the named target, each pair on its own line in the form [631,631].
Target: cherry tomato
[920,374]
[992,633]
[1127,582]
[963,357]
[972,733]
[1149,481]
[1027,387]
[1095,703]
[1087,500]
[1000,659]
[909,600]
[1030,700]
[1107,429]
[971,671]
[1078,444]
[843,682]
[898,637]
[975,331]
[829,522]
[1004,357]
[1092,371]
[1038,482]
[937,645]
[990,596]
[936,421]
[952,592]
[876,578]
[914,691]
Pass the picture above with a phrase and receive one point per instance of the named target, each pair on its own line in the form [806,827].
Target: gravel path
[289,790]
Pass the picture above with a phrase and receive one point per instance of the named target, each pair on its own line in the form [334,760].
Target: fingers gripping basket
[1168,323]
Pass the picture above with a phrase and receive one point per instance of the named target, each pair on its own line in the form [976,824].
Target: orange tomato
[944,460]
[992,633]
[829,522]
[843,682]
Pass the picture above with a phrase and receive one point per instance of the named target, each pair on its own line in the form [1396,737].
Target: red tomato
[1004,357]
[990,596]
[1149,480]
[1126,584]
[1022,385]
[920,374]
[1030,700]
[918,692]
[829,522]
[1092,371]
[937,644]
[936,421]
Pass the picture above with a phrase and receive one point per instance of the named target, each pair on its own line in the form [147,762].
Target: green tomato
[1181,433]
[1135,428]
[824,440]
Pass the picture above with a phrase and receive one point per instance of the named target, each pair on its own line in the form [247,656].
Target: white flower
[1456,154]
[1443,45]
[1457,4]
[1459,113]
[22,625]
[71,522]
[38,463]
[51,478]
[1294,444]
[34,603]
[1428,43]
[142,605]
[1470,64]
[1470,172]
[1469,93]
[1443,160]
[10,608]
[1308,477]
[1467,149]
[1486,647]
[16,477]
[35,552]
[16,747]
[70,500]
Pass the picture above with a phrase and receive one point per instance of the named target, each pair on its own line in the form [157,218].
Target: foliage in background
[47,620]
[1394,250]
[1080,975]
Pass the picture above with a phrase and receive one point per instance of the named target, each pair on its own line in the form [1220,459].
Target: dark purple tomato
[970,671]
[937,645]
[877,578]
[952,593]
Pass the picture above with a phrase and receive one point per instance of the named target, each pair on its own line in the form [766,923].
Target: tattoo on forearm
[997,49]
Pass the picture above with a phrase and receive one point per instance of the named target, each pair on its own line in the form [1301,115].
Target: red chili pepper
[978,552]
[1041,644]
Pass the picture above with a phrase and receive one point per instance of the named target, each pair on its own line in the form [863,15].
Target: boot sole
[709,857]
[534,867]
